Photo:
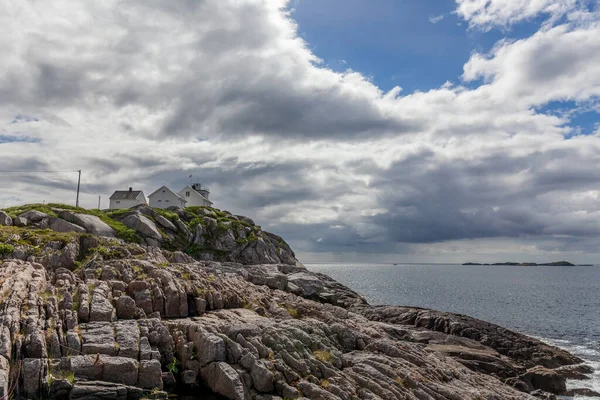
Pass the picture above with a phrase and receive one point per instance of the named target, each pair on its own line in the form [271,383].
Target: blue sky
[394,43]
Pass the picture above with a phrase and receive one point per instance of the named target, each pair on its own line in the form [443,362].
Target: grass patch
[195,251]
[14,235]
[323,355]
[105,252]
[14,212]
[6,249]
[292,311]
[170,215]
[196,221]
[122,232]
[46,295]
[60,375]
[173,366]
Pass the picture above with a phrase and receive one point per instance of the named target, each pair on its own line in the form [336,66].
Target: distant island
[529,264]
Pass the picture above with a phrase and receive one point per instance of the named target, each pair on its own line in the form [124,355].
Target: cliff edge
[215,306]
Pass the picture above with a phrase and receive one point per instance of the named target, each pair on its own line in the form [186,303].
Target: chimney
[130,189]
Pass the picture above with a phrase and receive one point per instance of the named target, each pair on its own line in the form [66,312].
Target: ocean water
[559,305]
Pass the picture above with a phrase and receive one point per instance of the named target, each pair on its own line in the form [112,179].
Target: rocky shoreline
[142,303]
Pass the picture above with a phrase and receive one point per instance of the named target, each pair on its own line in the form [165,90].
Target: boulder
[20,221]
[224,380]
[32,375]
[582,392]
[165,223]
[91,223]
[5,219]
[262,378]
[127,338]
[60,225]
[34,215]
[546,379]
[101,308]
[126,308]
[309,284]
[150,375]
[110,369]
[142,225]
[189,377]
[4,376]
[99,338]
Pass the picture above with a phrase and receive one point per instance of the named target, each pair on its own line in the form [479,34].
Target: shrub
[6,249]
[172,367]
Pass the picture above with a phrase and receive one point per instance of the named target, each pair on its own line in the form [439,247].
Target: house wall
[120,204]
[193,198]
[165,199]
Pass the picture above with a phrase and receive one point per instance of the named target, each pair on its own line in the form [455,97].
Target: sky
[360,131]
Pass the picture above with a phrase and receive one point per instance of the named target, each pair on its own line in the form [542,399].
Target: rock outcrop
[90,317]
[202,232]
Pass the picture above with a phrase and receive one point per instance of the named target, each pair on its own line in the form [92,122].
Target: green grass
[117,213]
[195,251]
[61,374]
[122,232]
[195,222]
[33,237]
[16,211]
[6,249]
[173,366]
[170,215]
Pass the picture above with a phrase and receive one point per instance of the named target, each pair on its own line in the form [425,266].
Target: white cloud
[227,90]
[436,19]
[489,13]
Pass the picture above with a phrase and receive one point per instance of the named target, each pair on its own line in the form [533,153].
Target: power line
[46,171]
[36,172]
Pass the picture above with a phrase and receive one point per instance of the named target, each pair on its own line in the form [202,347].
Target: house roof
[125,195]
[191,189]
[169,190]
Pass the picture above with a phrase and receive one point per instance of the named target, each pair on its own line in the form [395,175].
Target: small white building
[126,199]
[196,195]
[165,198]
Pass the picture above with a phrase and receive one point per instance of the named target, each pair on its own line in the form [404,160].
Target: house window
[160,201]
[118,201]
[166,201]
[187,194]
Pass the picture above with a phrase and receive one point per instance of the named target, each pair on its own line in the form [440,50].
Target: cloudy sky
[360,130]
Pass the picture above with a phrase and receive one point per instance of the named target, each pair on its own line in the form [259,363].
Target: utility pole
[99,197]
[78,184]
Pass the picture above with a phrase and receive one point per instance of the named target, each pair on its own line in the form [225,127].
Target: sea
[558,305]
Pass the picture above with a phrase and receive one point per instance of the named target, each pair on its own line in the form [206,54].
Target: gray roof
[125,195]
[166,188]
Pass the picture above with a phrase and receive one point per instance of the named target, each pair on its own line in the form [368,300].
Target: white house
[165,198]
[126,199]
[196,195]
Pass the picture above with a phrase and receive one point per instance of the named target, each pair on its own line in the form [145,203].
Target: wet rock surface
[98,318]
